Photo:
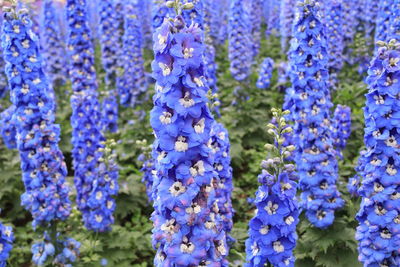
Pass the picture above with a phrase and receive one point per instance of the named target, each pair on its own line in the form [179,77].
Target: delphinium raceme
[3,77]
[354,182]
[240,54]
[394,28]
[7,127]
[272,233]
[334,26]
[159,12]
[286,20]
[255,22]
[52,46]
[379,215]
[195,14]
[37,135]
[6,243]
[95,188]
[309,102]
[341,128]
[371,11]
[212,19]
[132,83]
[272,15]
[147,166]
[188,228]
[109,35]
[383,21]
[265,73]
[348,23]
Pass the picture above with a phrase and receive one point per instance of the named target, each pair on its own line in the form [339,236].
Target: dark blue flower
[6,243]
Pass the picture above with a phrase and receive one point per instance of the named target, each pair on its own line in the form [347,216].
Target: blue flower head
[286,17]
[37,135]
[272,231]
[265,73]
[6,243]
[341,127]
[188,226]
[378,216]
[383,21]
[255,22]
[309,102]
[7,127]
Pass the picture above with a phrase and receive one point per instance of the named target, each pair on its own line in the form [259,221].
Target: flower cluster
[132,83]
[286,20]
[37,135]
[159,12]
[265,73]
[370,14]
[211,70]
[53,48]
[240,53]
[212,19]
[255,22]
[272,233]
[220,148]
[6,241]
[147,167]
[65,251]
[355,182]
[3,77]
[110,38]
[394,25]
[7,127]
[95,183]
[309,101]
[379,215]
[272,11]
[195,14]
[334,25]
[188,228]
[383,21]
[341,128]
[349,22]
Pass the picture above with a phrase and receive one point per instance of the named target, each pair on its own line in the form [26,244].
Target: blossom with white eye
[199,126]
[265,229]
[166,70]
[271,208]
[188,52]
[289,220]
[181,145]
[197,169]
[391,141]
[391,170]
[193,209]
[186,101]
[379,100]
[165,117]
[198,82]
[161,39]
[187,247]
[177,189]
[278,247]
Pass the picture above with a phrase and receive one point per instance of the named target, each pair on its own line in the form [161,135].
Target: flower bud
[170,4]
[269,147]
[188,6]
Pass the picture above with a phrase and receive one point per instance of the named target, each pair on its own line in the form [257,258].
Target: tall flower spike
[212,19]
[286,20]
[188,227]
[7,127]
[132,83]
[3,77]
[394,27]
[355,182]
[265,73]
[255,17]
[195,14]
[110,38]
[52,46]
[272,9]
[6,243]
[240,54]
[272,233]
[341,128]
[37,135]
[379,218]
[94,185]
[147,169]
[349,22]
[383,21]
[334,26]
[309,100]
[159,12]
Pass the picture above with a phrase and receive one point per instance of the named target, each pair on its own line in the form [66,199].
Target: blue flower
[6,243]
[265,73]
[159,12]
[188,226]
[272,231]
[383,21]
[195,14]
[271,13]
[53,48]
[378,217]
[132,83]
[256,19]
[309,103]
[213,19]
[341,128]
[286,17]
[37,135]
[7,127]
[93,179]
[240,52]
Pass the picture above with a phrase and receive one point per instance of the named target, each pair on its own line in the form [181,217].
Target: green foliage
[245,114]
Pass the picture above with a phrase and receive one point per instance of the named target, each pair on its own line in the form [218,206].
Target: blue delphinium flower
[272,233]
[240,54]
[256,19]
[211,67]
[6,243]
[394,26]
[334,26]
[383,21]
[95,183]
[195,14]
[212,19]
[349,22]
[147,167]
[379,217]
[355,182]
[220,147]
[110,38]
[309,101]
[132,83]
[272,9]
[37,135]
[52,46]
[159,12]
[370,15]
[341,128]
[188,228]
[286,20]
[223,22]
[3,77]
[265,73]
[7,127]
